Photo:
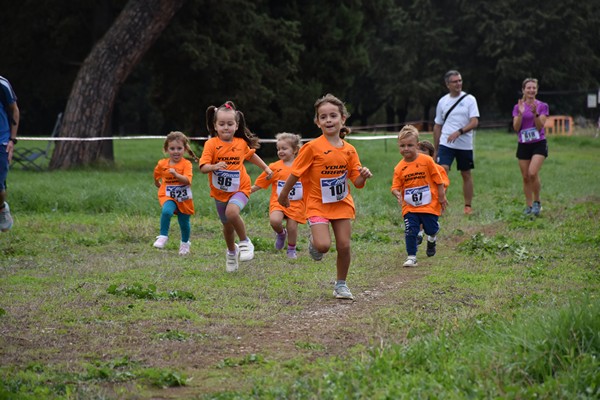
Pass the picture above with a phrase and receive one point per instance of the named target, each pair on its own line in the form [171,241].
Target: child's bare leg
[342,229]
[292,228]
[321,237]
[235,219]
[276,221]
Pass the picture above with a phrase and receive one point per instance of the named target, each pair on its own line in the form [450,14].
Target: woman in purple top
[529,118]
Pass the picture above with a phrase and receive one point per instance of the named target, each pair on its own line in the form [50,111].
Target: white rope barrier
[97,139]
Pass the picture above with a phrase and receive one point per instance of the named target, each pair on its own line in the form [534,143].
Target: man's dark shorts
[464,158]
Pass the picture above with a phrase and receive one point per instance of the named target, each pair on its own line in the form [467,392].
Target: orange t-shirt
[297,208]
[418,181]
[325,171]
[171,189]
[225,183]
[444,175]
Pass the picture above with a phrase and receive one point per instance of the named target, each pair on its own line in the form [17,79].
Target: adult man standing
[456,117]
[9,123]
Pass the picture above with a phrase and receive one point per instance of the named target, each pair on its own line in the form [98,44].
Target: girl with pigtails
[223,157]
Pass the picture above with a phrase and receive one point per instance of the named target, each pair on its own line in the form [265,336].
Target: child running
[223,160]
[426,147]
[288,145]
[173,178]
[325,165]
[419,188]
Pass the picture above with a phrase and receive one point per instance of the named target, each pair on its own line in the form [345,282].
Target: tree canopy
[385,58]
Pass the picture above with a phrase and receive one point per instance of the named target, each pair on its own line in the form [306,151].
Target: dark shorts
[525,151]
[464,158]
[3,167]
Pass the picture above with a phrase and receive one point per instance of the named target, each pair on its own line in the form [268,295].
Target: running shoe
[280,239]
[184,248]
[6,220]
[233,260]
[161,241]
[342,292]
[430,249]
[246,250]
[536,208]
[411,261]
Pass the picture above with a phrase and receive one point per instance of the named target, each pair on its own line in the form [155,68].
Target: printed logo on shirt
[334,169]
[219,147]
[327,152]
[229,160]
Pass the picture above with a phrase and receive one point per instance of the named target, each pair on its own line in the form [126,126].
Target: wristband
[14,140]
[461,131]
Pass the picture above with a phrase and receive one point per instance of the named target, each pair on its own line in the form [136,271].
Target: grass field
[508,308]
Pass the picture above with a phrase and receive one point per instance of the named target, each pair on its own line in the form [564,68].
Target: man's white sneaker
[232,260]
[410,262]
[246,250]
[6,221]
[161,241]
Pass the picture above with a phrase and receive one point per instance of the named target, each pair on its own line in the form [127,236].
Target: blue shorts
[3,167]
[464,158]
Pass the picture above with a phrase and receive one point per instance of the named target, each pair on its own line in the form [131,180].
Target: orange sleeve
[397,183]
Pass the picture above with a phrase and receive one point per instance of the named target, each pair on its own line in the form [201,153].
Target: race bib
[334,189]
[295,194]
[227,181]
[179,192]
[529,135]
[418,196]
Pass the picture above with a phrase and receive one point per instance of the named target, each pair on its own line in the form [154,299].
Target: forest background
[385,58]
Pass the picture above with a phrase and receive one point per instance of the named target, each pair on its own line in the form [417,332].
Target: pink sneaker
[161,241]
[280,240]
[184,248]
[292,254]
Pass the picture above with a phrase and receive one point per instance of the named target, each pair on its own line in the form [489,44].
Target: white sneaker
[246,250]
[411,261]
[6,221]
[232,260]
[161,241]
[184,248]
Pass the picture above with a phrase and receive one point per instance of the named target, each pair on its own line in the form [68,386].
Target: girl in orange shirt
[223,160]
[326,164]
[288,145]
[173,178]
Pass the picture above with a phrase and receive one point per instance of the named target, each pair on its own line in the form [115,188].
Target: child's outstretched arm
[256,160]
[283,198]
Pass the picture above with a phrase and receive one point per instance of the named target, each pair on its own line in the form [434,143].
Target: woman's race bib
[529,135]
[334,189]
[418,196]
[179,192]
[227,181]
[295,194]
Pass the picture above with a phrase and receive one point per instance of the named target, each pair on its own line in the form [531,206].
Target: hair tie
[227,105]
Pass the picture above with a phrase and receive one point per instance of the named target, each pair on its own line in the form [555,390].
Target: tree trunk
[110,62]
